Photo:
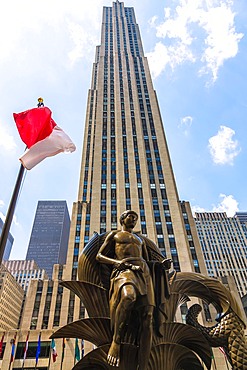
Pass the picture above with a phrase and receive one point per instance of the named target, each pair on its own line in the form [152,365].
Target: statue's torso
[127,245]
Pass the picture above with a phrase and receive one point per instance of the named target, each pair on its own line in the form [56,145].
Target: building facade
[125,165]
[242,217]
[50,233]
[11,298]
[9,243]
[224,246]
[24,271]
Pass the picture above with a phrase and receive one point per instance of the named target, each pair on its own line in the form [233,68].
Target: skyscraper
[125,161]
[50,233]
[9,243]
[125,165]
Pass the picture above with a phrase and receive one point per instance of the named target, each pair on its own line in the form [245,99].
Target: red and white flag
[54,351]
[25,349]
[41,135]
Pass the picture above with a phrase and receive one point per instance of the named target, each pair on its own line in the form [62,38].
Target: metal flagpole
[10,213]
[63,348]
[49,364]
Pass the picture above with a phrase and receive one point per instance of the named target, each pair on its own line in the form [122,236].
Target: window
[31,352]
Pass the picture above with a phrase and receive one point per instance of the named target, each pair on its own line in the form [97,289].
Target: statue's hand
[125,265]
[167,263]
[120,265]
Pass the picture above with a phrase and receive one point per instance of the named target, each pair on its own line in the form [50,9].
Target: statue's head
[125,214]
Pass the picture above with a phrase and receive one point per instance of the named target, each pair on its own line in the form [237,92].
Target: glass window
[32,347]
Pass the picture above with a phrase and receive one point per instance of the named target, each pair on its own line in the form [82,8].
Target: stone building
[11,297]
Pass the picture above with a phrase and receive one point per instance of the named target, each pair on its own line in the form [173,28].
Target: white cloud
[15,220]
[222,147]
[185,124]
[22,22]
[198,209]
[153,20]
[84,42]
[222,40]
[7,141]
[163,56]
[1,203]
[204,29]
[158,59]
[228,205]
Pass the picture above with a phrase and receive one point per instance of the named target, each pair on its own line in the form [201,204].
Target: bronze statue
[131,287]
[132,300]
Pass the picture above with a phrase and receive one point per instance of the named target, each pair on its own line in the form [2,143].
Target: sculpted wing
[91,271]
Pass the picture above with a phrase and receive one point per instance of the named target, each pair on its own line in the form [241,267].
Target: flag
[41,135]
[34,125]
[57,142]
[77,350]
[63,349]
[13,349]
[1,345]
[38,349]
[25,349]
[54,351]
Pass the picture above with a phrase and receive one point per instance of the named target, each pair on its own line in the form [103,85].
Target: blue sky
[197,52]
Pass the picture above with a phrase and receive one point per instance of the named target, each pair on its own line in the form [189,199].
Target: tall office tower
[50,234]
[9,243]
[224,245]
[125,161]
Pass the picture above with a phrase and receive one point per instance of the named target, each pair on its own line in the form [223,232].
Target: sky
[197,53]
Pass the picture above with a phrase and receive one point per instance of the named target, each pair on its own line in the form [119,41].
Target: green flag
[77,350]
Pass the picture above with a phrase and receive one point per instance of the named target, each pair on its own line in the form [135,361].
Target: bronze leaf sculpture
[131,300]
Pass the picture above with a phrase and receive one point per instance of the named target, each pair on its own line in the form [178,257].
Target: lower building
[11,297]
[41,316]
[224,246]
[24,271]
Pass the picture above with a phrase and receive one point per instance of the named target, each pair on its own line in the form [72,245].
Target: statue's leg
[128,297]
[146,334]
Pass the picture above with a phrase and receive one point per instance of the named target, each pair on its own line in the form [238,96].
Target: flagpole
[11,210]
[63,344]
[49,363]
[10,213]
